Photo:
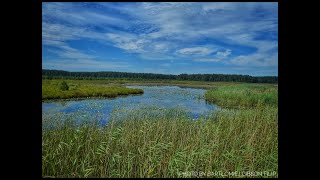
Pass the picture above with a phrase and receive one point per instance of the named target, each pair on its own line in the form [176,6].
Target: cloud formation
[201,51]
[229,34]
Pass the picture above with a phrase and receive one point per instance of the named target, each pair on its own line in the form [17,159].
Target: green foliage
[143,144]
[64,86]
[244,95]
[51,89]
[150,76]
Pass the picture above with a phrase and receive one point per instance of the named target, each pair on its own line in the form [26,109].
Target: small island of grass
[60,89]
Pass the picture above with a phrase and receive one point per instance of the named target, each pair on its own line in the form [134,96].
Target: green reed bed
[51,89]
[147,143]
[244,95]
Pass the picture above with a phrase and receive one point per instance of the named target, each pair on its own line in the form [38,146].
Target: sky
[166,38]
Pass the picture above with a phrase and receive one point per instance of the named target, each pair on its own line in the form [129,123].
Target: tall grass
[137,81]
[80,89]
[164,145]
[244,95]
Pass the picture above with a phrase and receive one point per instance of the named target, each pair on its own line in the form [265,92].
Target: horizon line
[158,73]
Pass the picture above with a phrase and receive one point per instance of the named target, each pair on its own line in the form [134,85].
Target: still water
[191,100]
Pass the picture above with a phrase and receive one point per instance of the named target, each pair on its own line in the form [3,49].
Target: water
[191,100]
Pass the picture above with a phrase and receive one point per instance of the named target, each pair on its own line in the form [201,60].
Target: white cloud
[224,54]
[78,14]
[256,59]
[207,60]
[75,55]
[165,30]
[161,47]
[220,55]
[63,33]
[128,42]
[202,51]
[79,64]
[63,50]
[218,6]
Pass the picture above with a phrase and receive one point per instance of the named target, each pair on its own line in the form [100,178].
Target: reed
[147,143]
[244,95]
[83,89]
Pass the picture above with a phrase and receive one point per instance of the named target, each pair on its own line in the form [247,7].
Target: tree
[58,74]
[64,86]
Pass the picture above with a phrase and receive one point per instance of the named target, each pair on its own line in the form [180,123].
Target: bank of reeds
[167,144]
[82,89]
[244,96]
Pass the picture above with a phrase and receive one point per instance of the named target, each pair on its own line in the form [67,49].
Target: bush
[64,86]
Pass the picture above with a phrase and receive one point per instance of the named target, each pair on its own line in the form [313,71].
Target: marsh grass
[80,89]
[152,144]
[244,96]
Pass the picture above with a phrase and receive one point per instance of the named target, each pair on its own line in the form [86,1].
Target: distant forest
[58,74]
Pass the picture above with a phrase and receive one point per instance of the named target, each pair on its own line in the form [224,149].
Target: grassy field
[145,82]
[171,144]
[83,89]
[244,95]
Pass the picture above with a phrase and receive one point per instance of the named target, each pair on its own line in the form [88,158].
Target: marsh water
[191,100]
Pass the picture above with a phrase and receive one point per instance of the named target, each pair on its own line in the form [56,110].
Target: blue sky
[167,38]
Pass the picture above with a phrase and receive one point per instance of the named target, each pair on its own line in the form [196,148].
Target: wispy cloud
[217,33]
[84,64]
[207,60]
[80,14]
[256,60]
[224,54]
[202,51]
[128,42]
[219,56]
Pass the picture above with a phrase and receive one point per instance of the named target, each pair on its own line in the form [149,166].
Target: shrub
[64,86]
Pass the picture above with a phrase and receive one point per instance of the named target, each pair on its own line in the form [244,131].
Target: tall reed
[147,143]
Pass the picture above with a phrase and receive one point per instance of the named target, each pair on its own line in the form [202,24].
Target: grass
[160,82]
[244,95]
[83,89]
[167,143]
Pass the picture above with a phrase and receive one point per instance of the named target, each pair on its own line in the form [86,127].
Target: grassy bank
[167,143]
[157,82]
[244,95]
[82,89]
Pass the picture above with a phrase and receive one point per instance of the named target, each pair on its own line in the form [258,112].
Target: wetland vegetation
[244,95]
[166,142]
[65,89]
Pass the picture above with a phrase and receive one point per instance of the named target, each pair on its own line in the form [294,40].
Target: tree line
[53,74]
